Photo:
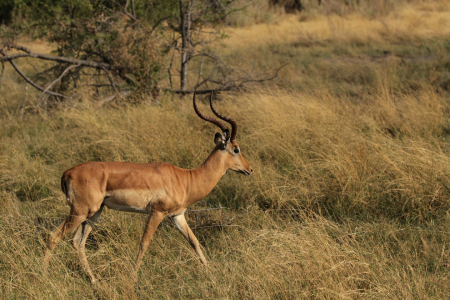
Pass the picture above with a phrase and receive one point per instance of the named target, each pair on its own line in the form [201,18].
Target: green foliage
[93,30]
[154,10]
[107,32]
[50,11]
[6,11]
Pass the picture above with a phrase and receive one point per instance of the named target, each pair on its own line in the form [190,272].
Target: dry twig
[29,53]
[56,80]
[28,79]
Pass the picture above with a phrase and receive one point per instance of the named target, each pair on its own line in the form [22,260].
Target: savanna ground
[349,147]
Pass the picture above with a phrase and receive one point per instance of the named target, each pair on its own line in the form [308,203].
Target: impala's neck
[204,178]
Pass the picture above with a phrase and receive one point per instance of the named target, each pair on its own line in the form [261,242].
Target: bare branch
[111,81]
[96,85]
[133,17]
[170,67]
[262,80]
[133,12]
[204,54]
[23,103]
[124,9]
[56,80]
[112,97]
[225,86]
[29,80]
[156,24]
[29,53]
[200,72]
[41,74]
[209,77]
[1,76]
[204,209]
[200,92]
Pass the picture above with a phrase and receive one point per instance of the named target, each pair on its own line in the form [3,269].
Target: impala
[156,189]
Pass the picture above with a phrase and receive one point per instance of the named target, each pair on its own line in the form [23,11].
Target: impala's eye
[236,150]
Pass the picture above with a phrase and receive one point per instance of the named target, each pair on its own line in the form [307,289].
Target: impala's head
[226,142]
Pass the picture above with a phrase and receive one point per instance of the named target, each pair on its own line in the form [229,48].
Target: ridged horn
[212,120]
[225,118]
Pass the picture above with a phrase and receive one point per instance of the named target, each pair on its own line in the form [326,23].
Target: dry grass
[349,197]
[351,56]
[424,20]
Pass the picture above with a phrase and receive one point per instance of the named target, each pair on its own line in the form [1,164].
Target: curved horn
[227,119]
[212,120]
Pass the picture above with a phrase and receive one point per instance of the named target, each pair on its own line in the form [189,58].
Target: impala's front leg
[153,221]
[182,225]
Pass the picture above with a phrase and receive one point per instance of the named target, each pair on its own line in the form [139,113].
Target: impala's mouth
[245,172]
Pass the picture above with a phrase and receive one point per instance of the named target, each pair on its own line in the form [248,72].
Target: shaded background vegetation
[349,146]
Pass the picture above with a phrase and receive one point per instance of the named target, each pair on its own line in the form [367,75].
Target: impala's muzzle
[245,172]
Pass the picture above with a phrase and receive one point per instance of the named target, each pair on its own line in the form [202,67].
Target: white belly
[114,206]
[130,200]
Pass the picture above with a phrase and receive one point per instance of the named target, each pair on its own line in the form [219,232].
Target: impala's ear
[222,140]
[217,138]
[226,135]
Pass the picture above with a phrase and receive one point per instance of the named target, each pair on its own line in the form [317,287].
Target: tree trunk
[133,12]
[185,38]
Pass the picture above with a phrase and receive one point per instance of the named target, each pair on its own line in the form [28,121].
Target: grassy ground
[350,152]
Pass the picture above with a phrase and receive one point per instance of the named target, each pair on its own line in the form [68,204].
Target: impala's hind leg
[69,225]
[79,242]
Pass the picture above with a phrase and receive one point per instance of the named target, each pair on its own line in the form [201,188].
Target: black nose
[251,170]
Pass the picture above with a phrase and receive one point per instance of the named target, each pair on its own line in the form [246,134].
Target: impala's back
[123,186]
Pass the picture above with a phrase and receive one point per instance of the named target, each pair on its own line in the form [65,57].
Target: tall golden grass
[349,197]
